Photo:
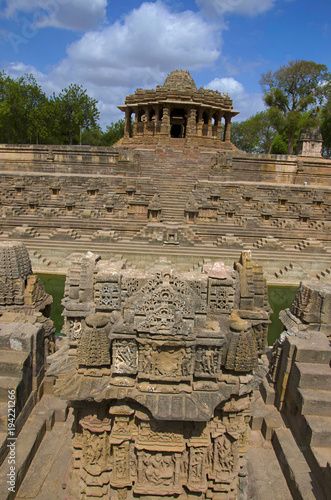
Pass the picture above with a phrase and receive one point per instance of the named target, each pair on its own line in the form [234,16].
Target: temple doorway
[178,123]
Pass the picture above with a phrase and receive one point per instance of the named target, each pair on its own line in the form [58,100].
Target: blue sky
[113,47]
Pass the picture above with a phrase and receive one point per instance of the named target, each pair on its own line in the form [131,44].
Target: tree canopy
[28,116]
[291,92]
[254,135]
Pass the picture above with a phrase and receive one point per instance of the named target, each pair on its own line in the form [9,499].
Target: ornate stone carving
[125,356]
[225,457]
[158,473]
[207,362]
[93,348]
[161,361]
[109,296]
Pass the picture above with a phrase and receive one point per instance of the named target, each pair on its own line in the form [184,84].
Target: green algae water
[279,298]
[54,285]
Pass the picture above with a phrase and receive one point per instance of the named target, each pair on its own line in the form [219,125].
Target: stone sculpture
[155,376]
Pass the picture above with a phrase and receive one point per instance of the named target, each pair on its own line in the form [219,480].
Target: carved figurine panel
[168,362]
[158,473]
[121,473]
[197,478]
[125,356]
[207,362]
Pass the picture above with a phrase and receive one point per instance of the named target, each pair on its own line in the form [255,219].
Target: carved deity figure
[223,456]
[159,469]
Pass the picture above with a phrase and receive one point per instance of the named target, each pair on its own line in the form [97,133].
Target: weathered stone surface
[159,373]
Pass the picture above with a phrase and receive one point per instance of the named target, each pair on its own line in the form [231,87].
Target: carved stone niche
[165,361]
[94,457]
[93,353]
[125,356]
[159,450]
[122,454]
[199,446]
[72,329]
[208,361]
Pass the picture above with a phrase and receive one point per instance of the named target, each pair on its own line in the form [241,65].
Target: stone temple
[163,385]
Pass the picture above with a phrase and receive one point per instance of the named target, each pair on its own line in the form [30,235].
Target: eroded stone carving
[160,353]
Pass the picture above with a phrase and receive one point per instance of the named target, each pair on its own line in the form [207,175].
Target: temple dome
[179,80]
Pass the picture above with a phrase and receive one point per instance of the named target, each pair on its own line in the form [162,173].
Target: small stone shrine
[22,296]
[177,109]
[159,367]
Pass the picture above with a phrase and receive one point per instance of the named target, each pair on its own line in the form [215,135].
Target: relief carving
[161,361]
[109,296]
[225,457]
[197,469]
[207,362]
[158,473]
[125,356]
[120,476]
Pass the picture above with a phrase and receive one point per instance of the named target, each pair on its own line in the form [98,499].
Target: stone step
[313,402]
[265,476]
[8,384]
[28,441]
[13,363]
[311,376]
[318,350]
[302,484]
[47,471]
[3,417]
[316,430]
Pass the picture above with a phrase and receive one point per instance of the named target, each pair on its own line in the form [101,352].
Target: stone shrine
[179,110]
[159,366]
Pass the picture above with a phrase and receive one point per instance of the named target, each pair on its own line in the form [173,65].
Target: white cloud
[243,7]
[247,104]
[150,36]
[70,14]
[138,51]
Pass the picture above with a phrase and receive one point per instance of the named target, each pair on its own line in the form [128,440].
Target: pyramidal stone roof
[179,86]
[179,80]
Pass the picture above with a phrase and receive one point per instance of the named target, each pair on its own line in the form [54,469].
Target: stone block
[267,393]
[311,375]
[271,421]
[297,472]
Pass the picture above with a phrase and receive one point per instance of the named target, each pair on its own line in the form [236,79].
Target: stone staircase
[301,432]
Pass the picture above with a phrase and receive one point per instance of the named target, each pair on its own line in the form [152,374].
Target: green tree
[326,129]
[114,132]
[92,137]
[292,91]
[75,112]
[22,110]
[254,135]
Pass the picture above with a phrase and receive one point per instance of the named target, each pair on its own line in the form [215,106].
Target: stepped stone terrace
[178,189]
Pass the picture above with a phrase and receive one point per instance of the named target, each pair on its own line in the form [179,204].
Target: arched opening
[178,123]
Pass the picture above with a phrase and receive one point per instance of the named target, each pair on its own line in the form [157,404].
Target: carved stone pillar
[165,122]
[127,127]
[199,123]
[191,129]
[227,130]
[210,125]
[135,123]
